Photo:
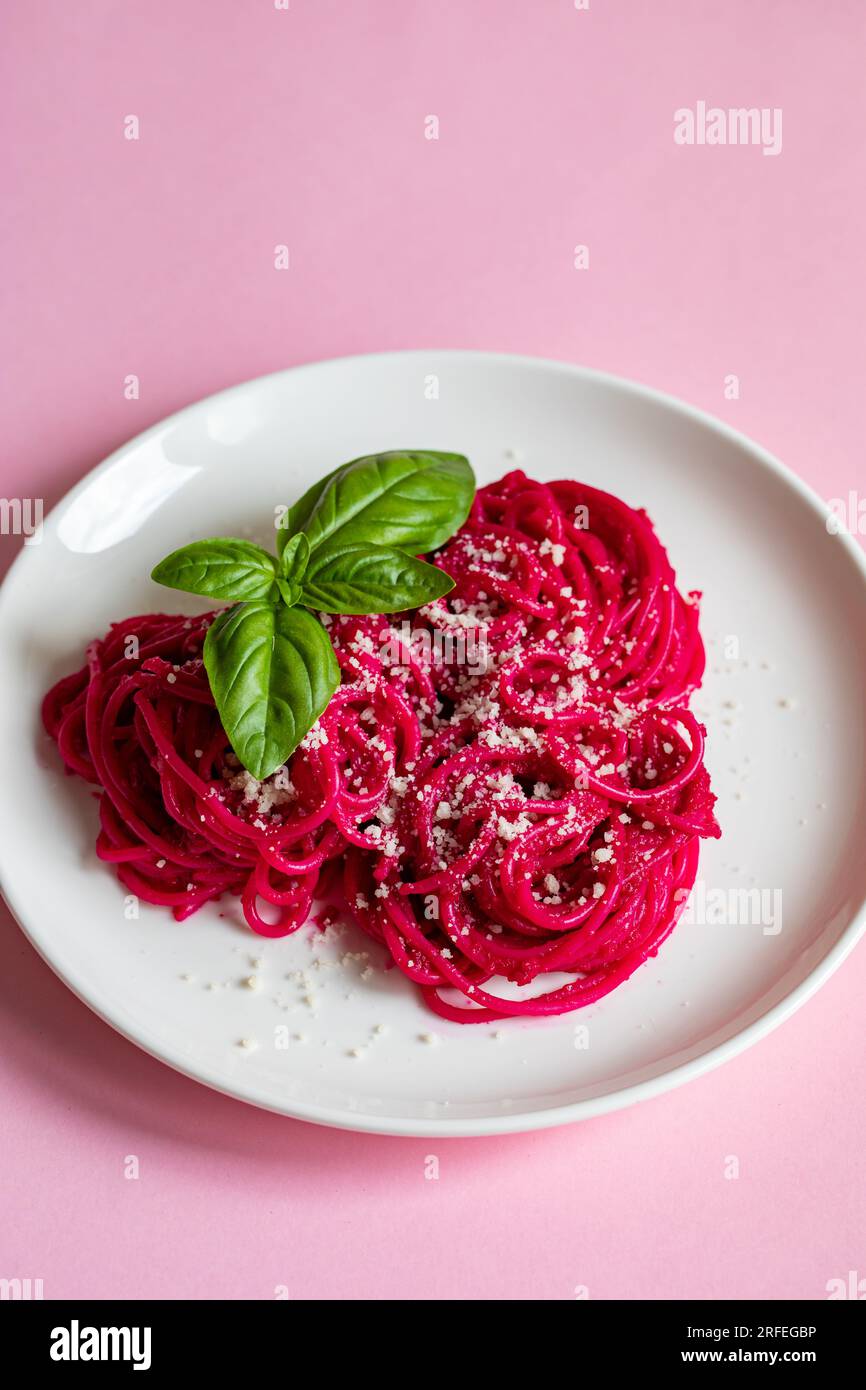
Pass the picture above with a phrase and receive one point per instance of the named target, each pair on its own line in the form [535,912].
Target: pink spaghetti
[510,786]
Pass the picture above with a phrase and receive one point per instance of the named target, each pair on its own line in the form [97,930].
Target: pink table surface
[306,127]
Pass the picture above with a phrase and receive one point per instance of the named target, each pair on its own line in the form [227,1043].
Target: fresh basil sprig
[350,545]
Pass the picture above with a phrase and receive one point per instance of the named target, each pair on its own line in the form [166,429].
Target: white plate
[790,780]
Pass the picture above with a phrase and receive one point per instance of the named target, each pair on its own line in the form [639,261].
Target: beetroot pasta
[507,784]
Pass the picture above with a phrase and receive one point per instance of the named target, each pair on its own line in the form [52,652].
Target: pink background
[155,257]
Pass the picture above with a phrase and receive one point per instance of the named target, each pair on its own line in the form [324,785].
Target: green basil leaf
[361,578]
[295,558]
[219,568]
[297,515]
[289,593]
[272,671]
[411,499]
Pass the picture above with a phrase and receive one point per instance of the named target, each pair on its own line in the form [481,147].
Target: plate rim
[519,1120]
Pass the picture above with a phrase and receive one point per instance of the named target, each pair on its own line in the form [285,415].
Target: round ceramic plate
[778,901]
